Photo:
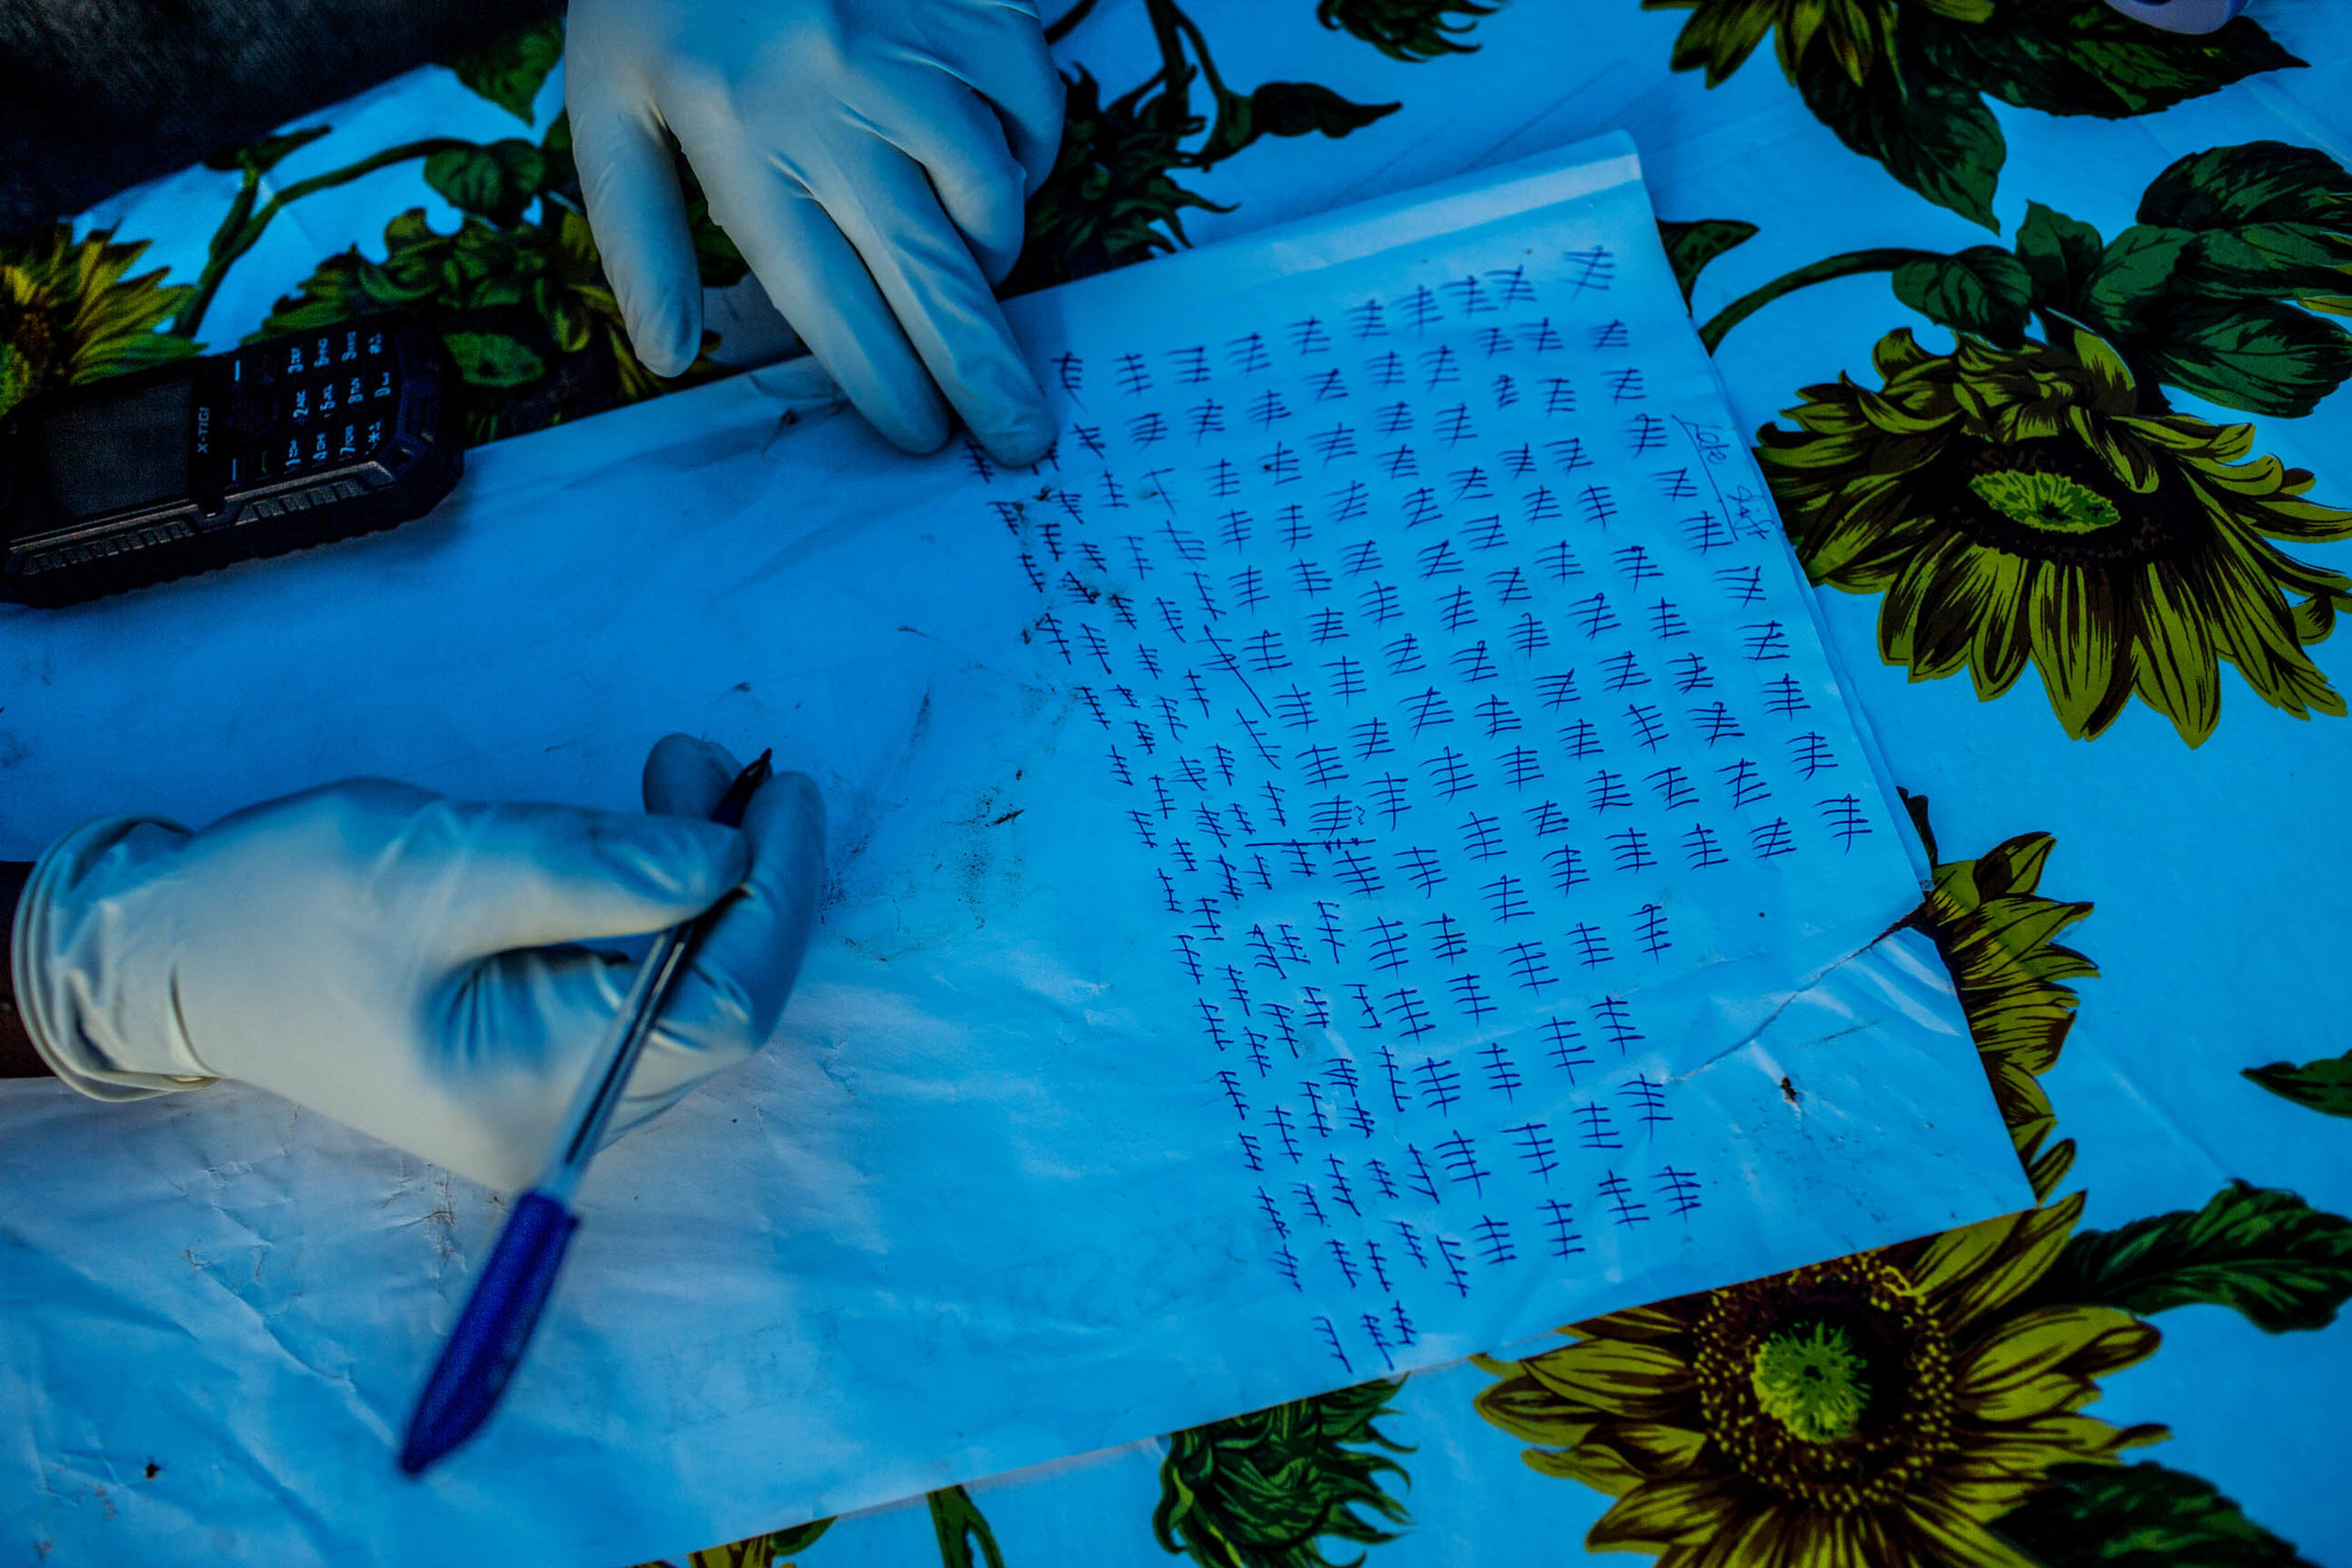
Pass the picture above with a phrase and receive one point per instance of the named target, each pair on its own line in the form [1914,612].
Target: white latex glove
[2181,16]
[387,955]
[871,160]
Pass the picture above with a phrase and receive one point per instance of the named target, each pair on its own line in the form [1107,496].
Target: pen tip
[491,1333]
[426,1443]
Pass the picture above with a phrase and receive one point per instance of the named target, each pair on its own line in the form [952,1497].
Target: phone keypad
[299,406]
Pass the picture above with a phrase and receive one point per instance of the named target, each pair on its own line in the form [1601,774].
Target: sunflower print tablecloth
[2039,317]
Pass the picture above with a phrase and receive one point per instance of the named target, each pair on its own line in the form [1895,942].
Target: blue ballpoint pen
[496,1325]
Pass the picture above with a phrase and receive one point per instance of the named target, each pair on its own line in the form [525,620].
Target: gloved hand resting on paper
[870,158]
[398,960]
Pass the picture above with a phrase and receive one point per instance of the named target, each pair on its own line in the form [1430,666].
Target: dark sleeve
[18,1059]
[104,94]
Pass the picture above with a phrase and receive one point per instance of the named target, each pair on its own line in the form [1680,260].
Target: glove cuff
[67,953]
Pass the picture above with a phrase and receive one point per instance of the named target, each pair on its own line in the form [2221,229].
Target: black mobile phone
[286,443]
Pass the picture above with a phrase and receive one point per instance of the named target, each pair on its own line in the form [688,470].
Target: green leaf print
[2223,290]
[2059,255]
[1904,81]
[2083,57]
[495,181]
[2282,1263]
[2142,1515]
[2268,358]
[2323,1085]
[493,360]
[1984,290]
[1409,30]
[1286,109]
[510,70]
[1930,132]
[2130,282]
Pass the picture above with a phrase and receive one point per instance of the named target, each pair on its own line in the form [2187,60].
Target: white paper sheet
[1199,1022]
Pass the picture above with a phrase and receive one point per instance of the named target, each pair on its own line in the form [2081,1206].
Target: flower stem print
[242,228]
[520,297]
[508,72]
[2023,502]
[518,290]
[1854,263]
[1264,1490]
[1690,246]
[957,1521]
[1904,81]
[2224,287]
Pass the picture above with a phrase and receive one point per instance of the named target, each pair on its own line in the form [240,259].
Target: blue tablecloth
[2036,313]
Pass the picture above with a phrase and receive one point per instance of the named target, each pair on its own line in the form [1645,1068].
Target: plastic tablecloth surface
[2035,315]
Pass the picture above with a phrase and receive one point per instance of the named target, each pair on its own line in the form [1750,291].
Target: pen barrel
[503,1310]
[600,1093]
[491,1331]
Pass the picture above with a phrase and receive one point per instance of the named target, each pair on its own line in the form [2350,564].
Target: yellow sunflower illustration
[1988,918]
[69,314]
[1878,1411]
[2013,506]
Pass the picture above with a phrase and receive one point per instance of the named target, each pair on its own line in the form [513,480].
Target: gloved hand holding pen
[870,158]
[404,962]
